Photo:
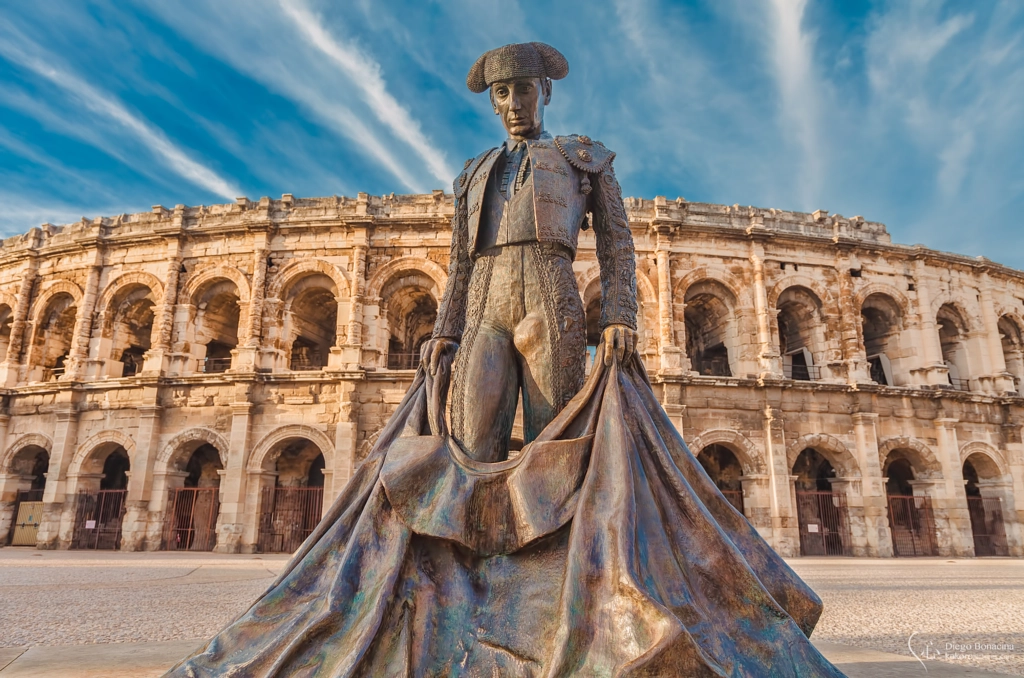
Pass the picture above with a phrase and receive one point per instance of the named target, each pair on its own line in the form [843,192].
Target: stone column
[245,355]
[757,503]
[854,356]
[78,354]
[232,520]
[55,528]
[997,379]
[19,325]
[952,508]
[346,441]
[768,358]
[785,526]
[348,353]
[673,358]
[135,526]
[931,370]
[10,483]
[158,358]
[877,537]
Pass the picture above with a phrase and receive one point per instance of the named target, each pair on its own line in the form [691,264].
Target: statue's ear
[546,84]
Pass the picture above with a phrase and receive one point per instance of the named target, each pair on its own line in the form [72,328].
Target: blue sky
[909,112]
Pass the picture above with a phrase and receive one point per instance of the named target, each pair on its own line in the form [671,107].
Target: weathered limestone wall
[267,329]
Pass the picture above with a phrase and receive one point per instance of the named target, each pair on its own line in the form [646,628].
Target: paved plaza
[166,601]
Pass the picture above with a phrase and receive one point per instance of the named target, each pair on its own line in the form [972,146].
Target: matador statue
[602,548]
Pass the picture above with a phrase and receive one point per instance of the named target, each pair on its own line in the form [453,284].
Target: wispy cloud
[365,73]
[105,104]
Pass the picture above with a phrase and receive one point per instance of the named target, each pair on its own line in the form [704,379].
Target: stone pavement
[78,614]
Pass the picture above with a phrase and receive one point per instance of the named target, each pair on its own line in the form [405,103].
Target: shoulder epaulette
[584,153]
[468,170]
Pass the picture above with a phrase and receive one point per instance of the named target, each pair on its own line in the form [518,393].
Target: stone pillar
[1001,489]
[78,354]
[854,357]
[996,379]
[673,358]
[245,355]
[930,370]
[346,441]
[19,325]
[953,506]
[770,363]
[55,528]
[757,503]
[348,353]
[158,357]
[135,526]
[232,520]
[851,488]
[877,537]
[782,503]
[9,484]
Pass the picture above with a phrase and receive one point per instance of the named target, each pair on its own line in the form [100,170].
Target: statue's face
[520,103]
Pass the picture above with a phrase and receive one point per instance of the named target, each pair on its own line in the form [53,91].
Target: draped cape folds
[602,549]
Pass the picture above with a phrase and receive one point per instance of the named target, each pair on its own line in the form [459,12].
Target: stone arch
[205,276]
[746,452]
[987,451]
[707,274]
[920,455]
[8,300]
[825,297]
[900,299]
[969,320]
[200,434]
[383,275]
[296,269]
[54,289]
[27,440]
[86,449]
[126,279]
[833,449]
[259,453]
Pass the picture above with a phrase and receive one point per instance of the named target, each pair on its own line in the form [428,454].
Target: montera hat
[518,60]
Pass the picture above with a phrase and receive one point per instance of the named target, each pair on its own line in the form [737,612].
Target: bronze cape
[603,549]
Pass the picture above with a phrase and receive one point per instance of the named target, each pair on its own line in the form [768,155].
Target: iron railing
[192,519]
[287,516]
[215,365]
[98,518]
[987,525]
[403,361]
[824,524]
[804,372]
[960,384]
[305,365]
[912,525]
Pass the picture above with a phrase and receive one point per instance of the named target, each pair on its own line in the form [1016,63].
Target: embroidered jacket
[569,177]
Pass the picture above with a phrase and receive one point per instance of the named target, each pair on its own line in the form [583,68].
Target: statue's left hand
[619,341]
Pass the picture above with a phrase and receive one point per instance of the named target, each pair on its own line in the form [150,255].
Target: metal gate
[98,520]
[734,497]
[987,526]
[192,519]
[287,516]
[25,523]
[824,524]
[912,525]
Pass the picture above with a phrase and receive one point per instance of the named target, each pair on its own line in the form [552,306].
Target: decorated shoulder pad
[468,170]
[584,153]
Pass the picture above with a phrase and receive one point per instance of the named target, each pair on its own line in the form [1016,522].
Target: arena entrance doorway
[822,513]
[722,466]
[986,511]
[99,514]
[911,521]
[191,523]
[291,508]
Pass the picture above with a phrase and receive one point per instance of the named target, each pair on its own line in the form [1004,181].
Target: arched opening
[911,521]
[130,328]
[881,322]
[822,512]
[312,321]
[6,320]
[982,481]
[953,341]
[29,467]
[53,335]
[103,487]
[1013,351]
[725,471]
[411,310]
[709,334]
[593,317]
[800,333]
[216,325]
[191,522]
[291,508]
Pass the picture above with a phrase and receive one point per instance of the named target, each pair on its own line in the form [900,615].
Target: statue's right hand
[434,349]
